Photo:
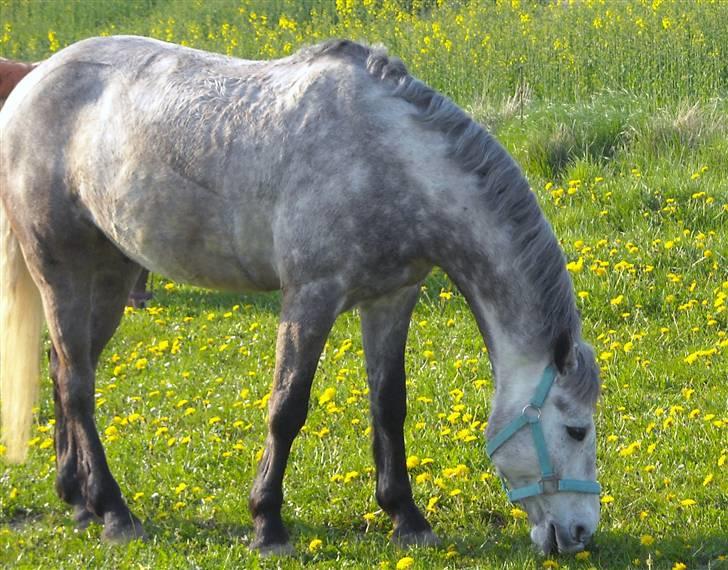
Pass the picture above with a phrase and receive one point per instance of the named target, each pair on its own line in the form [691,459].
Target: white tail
[21,322]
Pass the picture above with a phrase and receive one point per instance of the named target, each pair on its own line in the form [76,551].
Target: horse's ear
[565,353]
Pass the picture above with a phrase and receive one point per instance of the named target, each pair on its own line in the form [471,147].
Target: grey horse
[332,175]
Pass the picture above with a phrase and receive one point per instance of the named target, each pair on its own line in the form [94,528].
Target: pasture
[617,113]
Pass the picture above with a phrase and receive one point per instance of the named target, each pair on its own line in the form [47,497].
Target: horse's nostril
[579,533]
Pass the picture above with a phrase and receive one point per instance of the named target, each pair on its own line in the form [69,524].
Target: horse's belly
[215,272]
[190,236]
[203,263]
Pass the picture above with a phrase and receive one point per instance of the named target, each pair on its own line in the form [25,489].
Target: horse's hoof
[121,530]
[421,538]
[83,518]
[270,550]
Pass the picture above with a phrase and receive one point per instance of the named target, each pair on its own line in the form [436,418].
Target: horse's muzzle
[552,538]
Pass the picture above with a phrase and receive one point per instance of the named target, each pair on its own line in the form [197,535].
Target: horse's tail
[21,322]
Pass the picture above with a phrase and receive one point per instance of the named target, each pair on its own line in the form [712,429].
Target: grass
[628,162]
[664,51]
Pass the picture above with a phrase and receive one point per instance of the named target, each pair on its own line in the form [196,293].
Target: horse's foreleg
[307,315]
[384,333]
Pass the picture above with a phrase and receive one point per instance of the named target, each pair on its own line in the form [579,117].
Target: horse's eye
[577,433]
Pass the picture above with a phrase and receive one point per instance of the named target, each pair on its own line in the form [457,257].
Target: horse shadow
[197,300]
[611,549]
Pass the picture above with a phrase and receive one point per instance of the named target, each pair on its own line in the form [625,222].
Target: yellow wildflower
[315,544]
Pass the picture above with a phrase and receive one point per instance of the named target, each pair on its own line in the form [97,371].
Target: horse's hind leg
[307,315]
[68,486]
[84,299]
[385,323]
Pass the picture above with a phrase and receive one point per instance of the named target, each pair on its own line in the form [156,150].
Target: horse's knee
[388,409]
[287,412]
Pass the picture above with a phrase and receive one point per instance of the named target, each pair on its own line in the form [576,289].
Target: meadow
[617,112]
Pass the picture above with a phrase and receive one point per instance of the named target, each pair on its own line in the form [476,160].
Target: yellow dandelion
[327,396]
[423,478]
[517,513]
[576,266]
[432,503]
[404,563]
[315,544]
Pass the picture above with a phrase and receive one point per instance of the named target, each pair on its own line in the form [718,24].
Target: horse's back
[210,169]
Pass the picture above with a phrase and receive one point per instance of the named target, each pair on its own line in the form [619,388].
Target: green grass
[662,50]
[629,163]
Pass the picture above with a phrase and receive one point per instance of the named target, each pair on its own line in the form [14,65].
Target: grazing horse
[333,175]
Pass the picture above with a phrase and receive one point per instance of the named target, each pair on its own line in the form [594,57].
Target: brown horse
[11,72]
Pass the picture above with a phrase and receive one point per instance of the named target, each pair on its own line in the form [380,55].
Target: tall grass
[659,50]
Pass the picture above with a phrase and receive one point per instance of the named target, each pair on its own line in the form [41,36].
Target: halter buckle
[549,484]
[532,413]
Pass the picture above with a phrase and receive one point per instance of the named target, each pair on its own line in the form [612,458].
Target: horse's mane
[503,184]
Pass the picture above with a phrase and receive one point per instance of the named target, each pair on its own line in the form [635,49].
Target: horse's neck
[508,308]
[517,359]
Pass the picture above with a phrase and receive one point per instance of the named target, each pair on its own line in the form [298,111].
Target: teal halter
[549,483]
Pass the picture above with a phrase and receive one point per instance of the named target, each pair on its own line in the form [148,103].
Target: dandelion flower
[327,396]
[315,544]
[413,461]
[517,513]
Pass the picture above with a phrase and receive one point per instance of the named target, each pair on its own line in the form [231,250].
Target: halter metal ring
[533,415]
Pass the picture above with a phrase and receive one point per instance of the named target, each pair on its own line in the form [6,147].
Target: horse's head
[544,447]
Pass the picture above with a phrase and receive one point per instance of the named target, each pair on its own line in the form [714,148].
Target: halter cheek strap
[531,415]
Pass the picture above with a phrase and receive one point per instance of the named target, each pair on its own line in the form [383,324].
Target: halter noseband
[549,483]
